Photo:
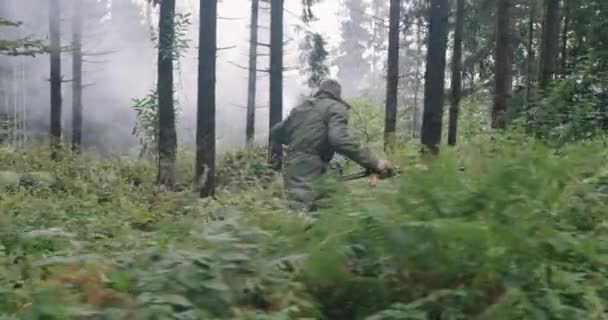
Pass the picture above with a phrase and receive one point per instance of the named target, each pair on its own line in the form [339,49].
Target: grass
[508,229]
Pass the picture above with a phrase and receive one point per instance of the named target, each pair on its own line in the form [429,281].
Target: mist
[120,65]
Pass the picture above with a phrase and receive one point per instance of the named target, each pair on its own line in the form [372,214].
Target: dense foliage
[507,225]
[503,230]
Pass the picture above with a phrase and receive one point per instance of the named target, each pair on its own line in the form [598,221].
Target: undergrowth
[500,229]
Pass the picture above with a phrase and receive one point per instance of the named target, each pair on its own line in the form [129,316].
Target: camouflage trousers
[306,183]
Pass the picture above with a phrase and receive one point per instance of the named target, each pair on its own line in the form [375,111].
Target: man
[314,131]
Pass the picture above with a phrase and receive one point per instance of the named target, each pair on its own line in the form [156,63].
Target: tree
[564,45]
[276,78]
[392,79]
[307,13]
[378,36]
[253,65]
[530,56]
[353,68]
[55,76]
[20,47]
[435,76]
[456,73]
[77,77]
[167,135]
[314,56]
[549,43]
[205,138]
[503,65]
[417,81]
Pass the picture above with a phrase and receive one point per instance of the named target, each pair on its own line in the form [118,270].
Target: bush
[508,230]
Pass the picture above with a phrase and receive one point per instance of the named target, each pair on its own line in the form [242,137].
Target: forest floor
[520,233]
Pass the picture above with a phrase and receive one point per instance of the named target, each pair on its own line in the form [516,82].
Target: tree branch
[246,68]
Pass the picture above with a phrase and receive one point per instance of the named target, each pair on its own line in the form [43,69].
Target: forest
[139,178]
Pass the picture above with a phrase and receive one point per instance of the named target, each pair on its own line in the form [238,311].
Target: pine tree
[434,94]
[550,43]
[276,78]
[456,74]
[77,77]
[253,65]
[530,55]
[205,138]
[378,36]
[55,75]
[353,67]
[314,57]
[503,64]
[167,135]
[392,79]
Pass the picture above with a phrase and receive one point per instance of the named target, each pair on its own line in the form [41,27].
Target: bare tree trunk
[530,55]
[55,76]
[276,78]
[549,43]
[565,30]
[167,136]
[253,65]
[503,65]
[205,138]
[392,78]
[77,77]
[456,74]
[415,113]
[434,94]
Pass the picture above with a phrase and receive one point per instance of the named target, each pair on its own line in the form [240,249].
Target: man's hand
[384,166]
[382,169]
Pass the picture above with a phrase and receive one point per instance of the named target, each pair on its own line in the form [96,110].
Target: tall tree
[417,80]
[549,43]
[205,138]
[55,76]
[167,135]
[378,36]
[314,57]
[530,56]
[392,79]
[276,77]
[503,64]
[456,74]
[253,65]
[564,46]
[353,67]
[435,75]
[77,77]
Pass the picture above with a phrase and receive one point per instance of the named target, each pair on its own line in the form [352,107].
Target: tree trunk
[435,76]
[392,78]
[77,77]
[167,136]
[253,65]
[456,74]
[415,113]
[530,55]
[276,78]
[55,76]
[205,138]
[549,43]
[565,30]
[503,65]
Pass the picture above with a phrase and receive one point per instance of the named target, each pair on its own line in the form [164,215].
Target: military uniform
[314,132]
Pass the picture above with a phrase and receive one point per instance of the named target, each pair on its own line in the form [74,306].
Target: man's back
[306,129]
[314,132]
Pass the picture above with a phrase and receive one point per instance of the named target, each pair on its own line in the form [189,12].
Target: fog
[120,65]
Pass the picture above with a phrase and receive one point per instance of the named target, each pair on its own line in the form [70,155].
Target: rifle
[372,174]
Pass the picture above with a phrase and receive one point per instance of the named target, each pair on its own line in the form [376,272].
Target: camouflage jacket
[314,131]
